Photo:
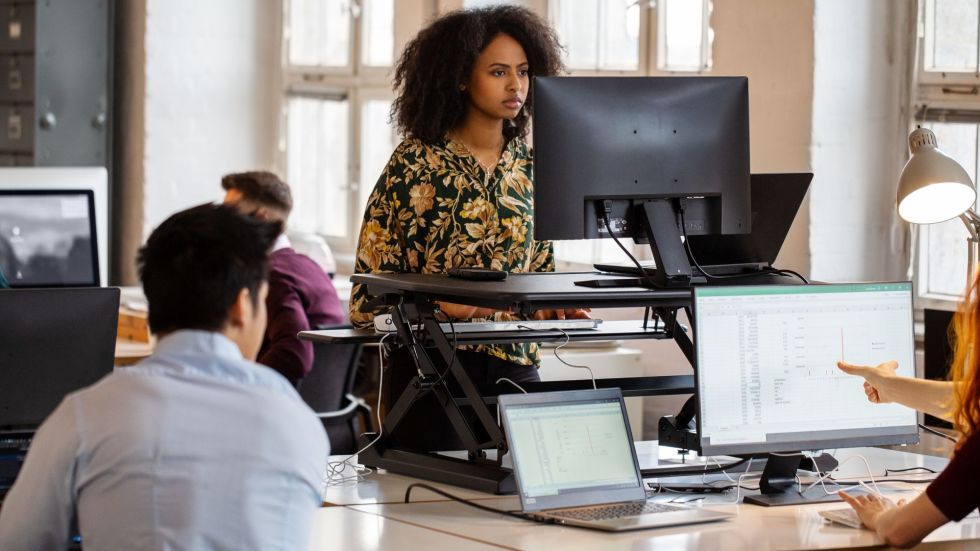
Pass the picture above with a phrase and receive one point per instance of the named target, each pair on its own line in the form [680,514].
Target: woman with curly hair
[956,491]
[457,191]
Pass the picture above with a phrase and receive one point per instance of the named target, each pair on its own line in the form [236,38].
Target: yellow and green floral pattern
[435,207]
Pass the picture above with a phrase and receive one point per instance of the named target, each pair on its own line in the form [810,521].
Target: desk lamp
[935,188]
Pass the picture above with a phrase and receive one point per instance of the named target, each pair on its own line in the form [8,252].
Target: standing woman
[457,192]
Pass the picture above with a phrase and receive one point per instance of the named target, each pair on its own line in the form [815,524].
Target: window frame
[938,96]
[357,83]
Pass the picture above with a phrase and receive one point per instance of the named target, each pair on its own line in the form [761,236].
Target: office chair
[327,389]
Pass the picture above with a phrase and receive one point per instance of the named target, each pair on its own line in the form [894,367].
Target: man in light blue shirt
[197,447]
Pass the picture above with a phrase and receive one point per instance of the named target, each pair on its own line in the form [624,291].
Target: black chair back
[327,390]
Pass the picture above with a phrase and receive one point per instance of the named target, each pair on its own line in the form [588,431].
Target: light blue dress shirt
[193,448]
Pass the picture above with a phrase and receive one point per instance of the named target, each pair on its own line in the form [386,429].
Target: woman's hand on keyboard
[869,506]
[562,314]
[463,311]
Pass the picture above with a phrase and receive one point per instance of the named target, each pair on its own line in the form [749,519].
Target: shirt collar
[214,355]
[195,342]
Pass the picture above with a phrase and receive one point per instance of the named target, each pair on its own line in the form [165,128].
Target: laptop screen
[571,448]
[48,239]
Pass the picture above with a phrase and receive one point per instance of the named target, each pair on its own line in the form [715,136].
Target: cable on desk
[926,469]
[334,474]
[433,489]
[938,433]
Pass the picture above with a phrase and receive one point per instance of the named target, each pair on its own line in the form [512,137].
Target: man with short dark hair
[180,451]
[301,296]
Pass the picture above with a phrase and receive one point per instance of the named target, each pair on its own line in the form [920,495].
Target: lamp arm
[972,222]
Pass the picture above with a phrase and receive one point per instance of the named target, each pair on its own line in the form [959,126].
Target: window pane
[951,35]
[319,33]
[944,245]
[377,36]
[579,251]
[681,36]
[599,35]
[316,162]
[377,143]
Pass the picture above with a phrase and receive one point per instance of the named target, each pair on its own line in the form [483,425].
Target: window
[634,36]
[336,137]
[946,102]
[337,60]
[628,37]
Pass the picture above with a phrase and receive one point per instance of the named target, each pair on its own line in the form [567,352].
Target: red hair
[963,371]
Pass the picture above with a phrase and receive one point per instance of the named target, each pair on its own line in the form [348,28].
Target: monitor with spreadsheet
[767,375]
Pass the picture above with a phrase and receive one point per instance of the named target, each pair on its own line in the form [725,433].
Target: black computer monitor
[52,342]
[48,238]
[767,377]
[642,153]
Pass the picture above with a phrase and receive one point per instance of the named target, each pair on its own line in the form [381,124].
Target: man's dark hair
[264,188]
[196,262]
[441,57]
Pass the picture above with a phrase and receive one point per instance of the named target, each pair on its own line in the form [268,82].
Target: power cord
[604,216]
[514,514]
[562,360]
[506,380]
[335,469]
[938,433]
[690,254]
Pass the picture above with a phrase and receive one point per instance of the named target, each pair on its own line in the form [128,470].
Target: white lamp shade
[933,187]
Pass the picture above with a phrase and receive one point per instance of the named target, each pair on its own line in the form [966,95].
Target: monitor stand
[778,484]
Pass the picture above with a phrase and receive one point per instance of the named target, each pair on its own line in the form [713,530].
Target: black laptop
[52,342]
[776,198]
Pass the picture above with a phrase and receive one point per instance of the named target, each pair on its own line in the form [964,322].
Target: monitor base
[789,498]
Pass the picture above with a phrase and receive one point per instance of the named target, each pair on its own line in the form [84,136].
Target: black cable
[926,469]
[605,221]
[694,261]
[783,271]
[938,433]
[515,514]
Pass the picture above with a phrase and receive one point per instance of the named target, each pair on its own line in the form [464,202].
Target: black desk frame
[412,300]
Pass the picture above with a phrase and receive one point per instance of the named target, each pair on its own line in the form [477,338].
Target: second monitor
[650,158]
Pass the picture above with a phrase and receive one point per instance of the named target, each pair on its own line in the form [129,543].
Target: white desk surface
[342,528]
[753,527]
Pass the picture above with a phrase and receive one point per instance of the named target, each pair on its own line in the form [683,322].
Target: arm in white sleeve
[37,512]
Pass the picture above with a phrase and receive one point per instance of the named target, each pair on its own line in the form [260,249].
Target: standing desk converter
[412,298]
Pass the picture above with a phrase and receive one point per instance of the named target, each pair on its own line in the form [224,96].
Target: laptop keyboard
[616,510]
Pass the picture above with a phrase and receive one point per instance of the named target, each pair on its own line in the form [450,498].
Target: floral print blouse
[435,207]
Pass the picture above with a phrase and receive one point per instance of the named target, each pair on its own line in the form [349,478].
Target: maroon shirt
[956,491]
[301,297]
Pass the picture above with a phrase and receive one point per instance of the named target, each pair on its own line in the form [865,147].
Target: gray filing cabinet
[55,82]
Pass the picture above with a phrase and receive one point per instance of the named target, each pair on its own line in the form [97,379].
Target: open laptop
[575,464]
[53,342]
[776,198]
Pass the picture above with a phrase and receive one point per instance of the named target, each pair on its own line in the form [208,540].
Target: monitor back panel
[52,342]
[636,138]
[767,373]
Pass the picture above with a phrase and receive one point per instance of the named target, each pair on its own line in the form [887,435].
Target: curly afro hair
[434,63]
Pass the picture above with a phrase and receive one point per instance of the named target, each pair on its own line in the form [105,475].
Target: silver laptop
[575,464]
